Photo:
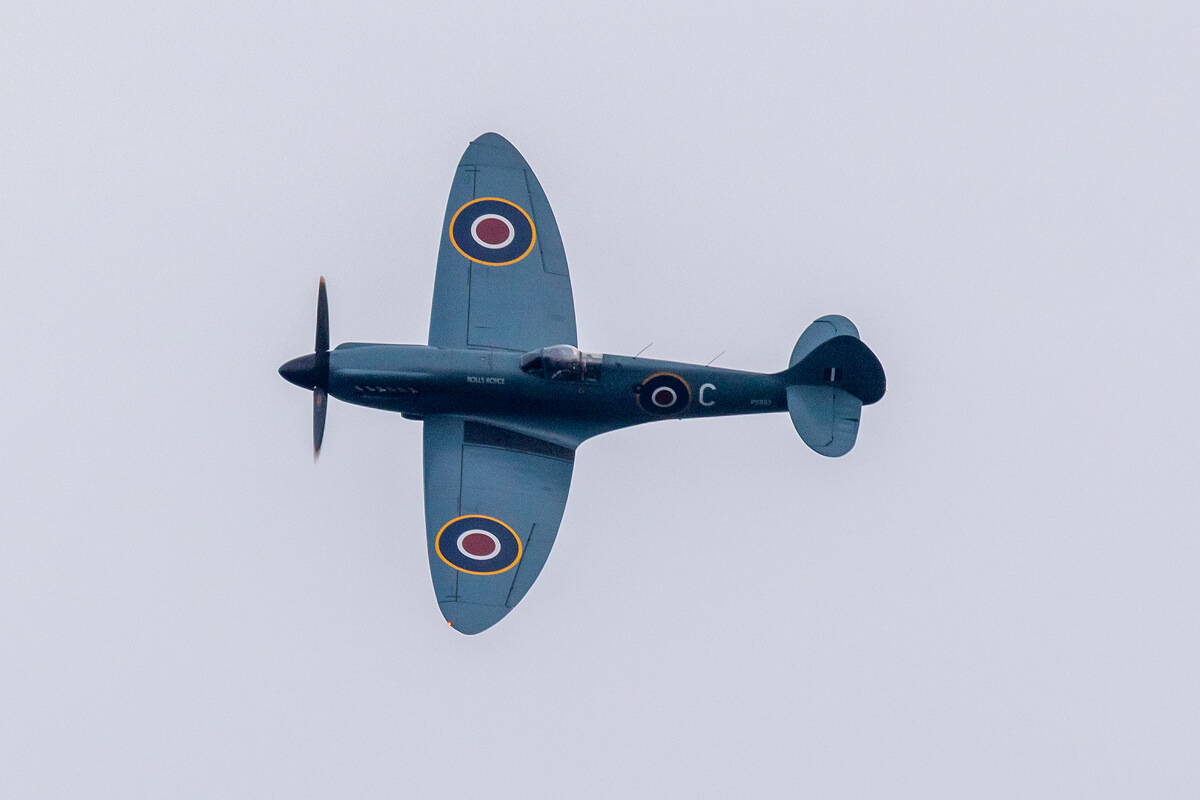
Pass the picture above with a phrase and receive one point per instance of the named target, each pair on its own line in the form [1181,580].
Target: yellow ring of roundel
[438,540]
[532,242]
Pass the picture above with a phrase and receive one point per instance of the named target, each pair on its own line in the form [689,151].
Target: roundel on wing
[664,394]
[479,545]
[492,231]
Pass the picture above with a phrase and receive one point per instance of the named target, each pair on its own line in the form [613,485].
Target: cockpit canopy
[562,362]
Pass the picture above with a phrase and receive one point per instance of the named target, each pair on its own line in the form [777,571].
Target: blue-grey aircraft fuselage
[420,381]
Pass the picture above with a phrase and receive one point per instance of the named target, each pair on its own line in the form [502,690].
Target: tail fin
[831,376]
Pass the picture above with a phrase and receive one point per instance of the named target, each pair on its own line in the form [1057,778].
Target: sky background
[995,594]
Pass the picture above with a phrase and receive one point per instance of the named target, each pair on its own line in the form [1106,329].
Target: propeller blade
[319,404]
[322,319]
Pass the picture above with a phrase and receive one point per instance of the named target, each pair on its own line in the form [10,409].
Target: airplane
[506,396]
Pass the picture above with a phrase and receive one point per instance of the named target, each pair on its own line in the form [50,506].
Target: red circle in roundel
[478,544]
[663,396]
[492,230]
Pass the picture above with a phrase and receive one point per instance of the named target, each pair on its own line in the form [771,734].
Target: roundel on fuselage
[664,394]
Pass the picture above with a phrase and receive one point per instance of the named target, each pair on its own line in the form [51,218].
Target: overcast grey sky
[994,595]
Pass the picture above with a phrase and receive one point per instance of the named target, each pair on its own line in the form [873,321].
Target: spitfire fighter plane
[506,396]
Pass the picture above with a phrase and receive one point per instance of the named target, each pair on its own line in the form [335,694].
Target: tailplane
[831,376]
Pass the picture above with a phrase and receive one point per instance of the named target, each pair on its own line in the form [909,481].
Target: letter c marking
[704,402]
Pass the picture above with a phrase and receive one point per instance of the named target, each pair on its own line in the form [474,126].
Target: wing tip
[471,618]
[492,149]
[491,138]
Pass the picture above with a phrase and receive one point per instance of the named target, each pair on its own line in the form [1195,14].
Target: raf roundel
[478,545]
[492,231]
[664,394]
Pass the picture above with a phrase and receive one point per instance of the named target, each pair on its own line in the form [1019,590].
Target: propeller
[312,371]
[321,373]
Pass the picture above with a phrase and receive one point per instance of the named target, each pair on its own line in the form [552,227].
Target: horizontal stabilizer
[821,331]
[826,418]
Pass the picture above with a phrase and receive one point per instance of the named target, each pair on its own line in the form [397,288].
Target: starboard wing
[493,503]
[502,280]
